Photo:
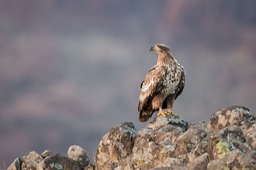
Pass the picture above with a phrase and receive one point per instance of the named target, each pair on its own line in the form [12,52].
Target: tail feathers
[145,110]
[145,115]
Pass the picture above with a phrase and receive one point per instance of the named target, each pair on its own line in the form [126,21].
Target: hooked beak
[152,48]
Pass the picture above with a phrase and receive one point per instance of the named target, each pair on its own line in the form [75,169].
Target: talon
[169,114]
[172,114]
[161,113]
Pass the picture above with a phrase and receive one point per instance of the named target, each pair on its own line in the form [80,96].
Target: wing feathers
[150,85]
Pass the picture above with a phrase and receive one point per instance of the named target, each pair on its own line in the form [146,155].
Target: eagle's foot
[162,113]
[172,114]
[169,114]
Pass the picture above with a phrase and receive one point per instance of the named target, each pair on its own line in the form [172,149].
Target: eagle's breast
[171,80]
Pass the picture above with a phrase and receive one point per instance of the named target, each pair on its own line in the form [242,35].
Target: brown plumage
[162,85]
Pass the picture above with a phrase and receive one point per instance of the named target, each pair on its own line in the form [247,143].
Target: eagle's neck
[165,58]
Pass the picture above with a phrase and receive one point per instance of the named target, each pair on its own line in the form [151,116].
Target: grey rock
[227,141]
[235,137]
[116,145]
[90,167]
[249,132]
[58,162]
[47,153]
[200,163]
[30,161]
[239,160]
[77,153]
[16,165]
[216,165]
[155,144]
[233,160]
[233,115]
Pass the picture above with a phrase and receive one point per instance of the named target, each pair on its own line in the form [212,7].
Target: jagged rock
[16,165]
[200,163]
[216,165]
[47,153]
[116,145]
[48,160]
[249,131]
[234,160]
[155,143]
[233,115]
[58,162]
[189,141]
[90,167]
[227,141]
[30,161]
[77,153]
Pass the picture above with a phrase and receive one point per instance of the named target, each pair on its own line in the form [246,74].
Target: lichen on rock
[227,141]
[78,154]
[117,144]
[50,161]
[172,143]
[222,148]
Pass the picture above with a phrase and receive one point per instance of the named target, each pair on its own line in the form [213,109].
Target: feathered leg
[158,102]
[169,107]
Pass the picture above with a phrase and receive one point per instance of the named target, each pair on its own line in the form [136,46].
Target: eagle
[163,83]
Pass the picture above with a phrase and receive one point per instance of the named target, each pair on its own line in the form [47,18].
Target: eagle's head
[164,53]
[160,48]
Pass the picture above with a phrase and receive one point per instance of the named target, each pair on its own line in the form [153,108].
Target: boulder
[77,153]
[58,162]
[155,144]
[116,145]
[28,162]
[15,165]
[47,153]
[233,115]
[76,159]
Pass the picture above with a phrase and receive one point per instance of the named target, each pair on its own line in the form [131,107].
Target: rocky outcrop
[76,159]
[227,141]
[115,146]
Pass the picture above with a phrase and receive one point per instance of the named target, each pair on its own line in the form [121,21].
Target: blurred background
[71,70]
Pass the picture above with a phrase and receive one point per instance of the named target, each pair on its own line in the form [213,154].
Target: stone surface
[200,163]
[77,153]
[47,153]
[116,145]
[90,167]
[155,144]
[51,161]
[58,162]
[227,141]
[16,165]
[233,115]
[30,161]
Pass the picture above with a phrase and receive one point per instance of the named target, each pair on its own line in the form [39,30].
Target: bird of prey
[162,85]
